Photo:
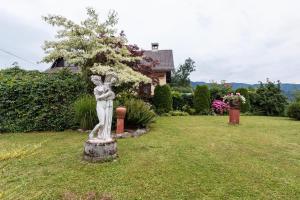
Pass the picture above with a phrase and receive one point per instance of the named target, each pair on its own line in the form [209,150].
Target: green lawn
[197,157]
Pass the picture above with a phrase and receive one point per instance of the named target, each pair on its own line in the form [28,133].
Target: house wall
[162,81]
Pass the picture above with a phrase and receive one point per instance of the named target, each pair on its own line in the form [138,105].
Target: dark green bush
[268,99]
[202,99]
[293,110]
[138,114]
[246,106]
[182,101]
[162,99]
[85,112]
[189,110]
[219,90]
[35,101]
[178,101]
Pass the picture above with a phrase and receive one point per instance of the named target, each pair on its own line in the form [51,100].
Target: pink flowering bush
[220,107]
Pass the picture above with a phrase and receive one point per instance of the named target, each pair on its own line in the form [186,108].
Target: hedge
[35,101]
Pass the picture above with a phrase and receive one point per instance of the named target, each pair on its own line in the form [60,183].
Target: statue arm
[104,96]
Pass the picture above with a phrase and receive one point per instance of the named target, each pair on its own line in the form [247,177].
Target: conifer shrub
[202,99]
[246,106]
[162,99]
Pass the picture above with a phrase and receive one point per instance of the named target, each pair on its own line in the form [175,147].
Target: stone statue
[102,147]
[104,97]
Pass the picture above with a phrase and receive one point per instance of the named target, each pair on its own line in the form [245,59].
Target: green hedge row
[35,101]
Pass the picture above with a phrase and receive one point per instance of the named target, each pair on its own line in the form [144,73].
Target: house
[163,69]
[165,64]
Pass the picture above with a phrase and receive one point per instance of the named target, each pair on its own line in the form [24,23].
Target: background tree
[94,46]
[218,91]
[268,99]
[181,76]
[296,95]
[202,99]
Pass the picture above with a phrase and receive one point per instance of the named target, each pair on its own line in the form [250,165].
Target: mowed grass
[196,157]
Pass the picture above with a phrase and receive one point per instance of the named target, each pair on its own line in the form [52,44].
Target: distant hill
[287,88]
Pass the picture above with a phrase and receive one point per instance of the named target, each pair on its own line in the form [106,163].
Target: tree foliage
[268,99]
[219,90]
[296,96]
[202,99]
[181,76]
[95,46]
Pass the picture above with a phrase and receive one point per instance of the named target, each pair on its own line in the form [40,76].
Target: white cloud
[244,41]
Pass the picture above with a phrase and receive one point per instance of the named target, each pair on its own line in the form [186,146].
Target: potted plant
[234,101]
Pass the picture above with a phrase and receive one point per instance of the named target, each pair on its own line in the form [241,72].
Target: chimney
[155,46]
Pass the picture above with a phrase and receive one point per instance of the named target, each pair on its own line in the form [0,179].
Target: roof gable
[164,57]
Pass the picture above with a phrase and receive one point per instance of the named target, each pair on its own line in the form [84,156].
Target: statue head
[96,80]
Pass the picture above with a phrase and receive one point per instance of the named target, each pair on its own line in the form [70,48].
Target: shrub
[178,101]
[178,113]
[294,110]
[246,106]
[217,91]
[268,100]
[85,112]
[202,99]
[162,99]
[35,101]
[220,107]
[139,113]
[188,109]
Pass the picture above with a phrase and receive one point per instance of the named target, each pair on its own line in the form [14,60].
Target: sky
[234,40]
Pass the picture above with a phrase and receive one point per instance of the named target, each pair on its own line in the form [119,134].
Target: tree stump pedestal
[96,150]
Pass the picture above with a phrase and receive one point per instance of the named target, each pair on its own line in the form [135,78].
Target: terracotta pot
[121,112]
[234,115]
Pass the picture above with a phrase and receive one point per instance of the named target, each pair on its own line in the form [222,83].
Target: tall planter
[234,113]
[121,112]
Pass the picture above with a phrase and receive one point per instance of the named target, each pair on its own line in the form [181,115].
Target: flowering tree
[144,65]
[94,46]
